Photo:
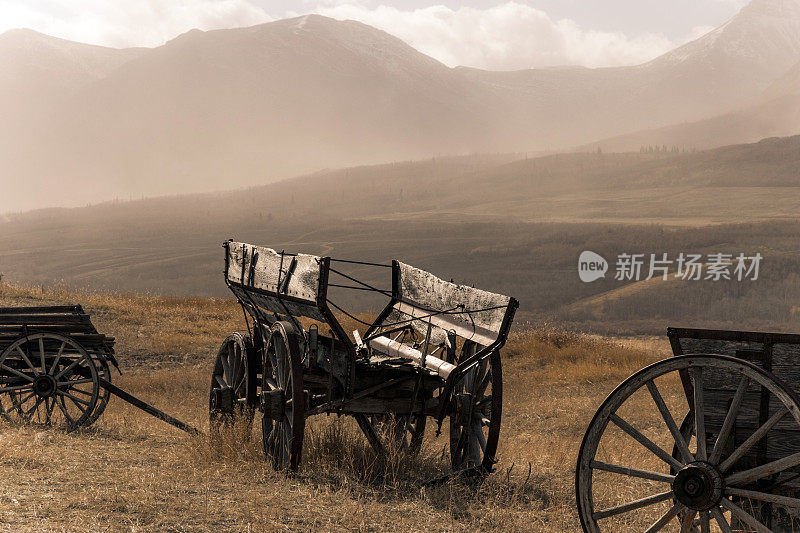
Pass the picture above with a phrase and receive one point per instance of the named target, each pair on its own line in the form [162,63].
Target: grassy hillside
[132,472]
[510,225]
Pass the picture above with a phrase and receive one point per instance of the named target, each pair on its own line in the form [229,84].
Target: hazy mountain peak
[20,33]
[763,38]
[772,7]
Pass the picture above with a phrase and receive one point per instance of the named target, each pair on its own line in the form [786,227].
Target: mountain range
[229,108]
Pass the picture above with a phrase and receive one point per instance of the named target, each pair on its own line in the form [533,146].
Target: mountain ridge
[237,107]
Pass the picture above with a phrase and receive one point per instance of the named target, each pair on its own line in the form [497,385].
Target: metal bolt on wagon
[432,352]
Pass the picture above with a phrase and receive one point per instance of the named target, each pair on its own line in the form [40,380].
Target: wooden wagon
[432,352]
[642,467]
[55,369]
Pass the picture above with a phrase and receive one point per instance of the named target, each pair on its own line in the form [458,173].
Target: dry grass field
[130,472]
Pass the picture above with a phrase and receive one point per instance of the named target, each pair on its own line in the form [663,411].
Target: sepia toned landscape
[133,472]
[124,169]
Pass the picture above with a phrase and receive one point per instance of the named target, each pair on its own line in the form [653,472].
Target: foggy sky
[488,34]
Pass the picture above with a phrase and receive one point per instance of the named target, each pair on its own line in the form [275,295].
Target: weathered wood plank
[39,319]
[434,294]
[264,268]
[273,304]
[41,309]
[57,328]
[717,403]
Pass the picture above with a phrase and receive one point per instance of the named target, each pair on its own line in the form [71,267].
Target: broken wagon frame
[432,352]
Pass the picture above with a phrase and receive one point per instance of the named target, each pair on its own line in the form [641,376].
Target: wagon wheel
[104,372]
[475,420]
[48,379]
[234,380]
[403,433]
[283,399]
[626,480]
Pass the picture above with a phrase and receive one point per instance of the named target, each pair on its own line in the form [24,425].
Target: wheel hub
[222,401]
[273,404]
[698,486]
[44,385]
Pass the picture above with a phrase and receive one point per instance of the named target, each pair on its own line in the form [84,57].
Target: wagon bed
[68,320]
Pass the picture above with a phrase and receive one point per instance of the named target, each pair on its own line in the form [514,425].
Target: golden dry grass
[130,472]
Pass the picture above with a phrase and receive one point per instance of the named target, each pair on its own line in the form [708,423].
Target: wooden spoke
[63,409]
[72,365]
[644,441]
[719,518]
[27,386]
[666,518]
[687,522]
[742,515]
[79,381]
[30,411]
[752,439]
[633,472]
[481,388]
[17,372]
[25,358]
[462,441]
[487,400]
[786,501]
[18,405]
[241,382]
[705,522]
[696,373]
[50,403]
[226,367]
[680,442]
[76,401]
[58,357]
[730,419]
[632,506]
[762,471]
[41,355]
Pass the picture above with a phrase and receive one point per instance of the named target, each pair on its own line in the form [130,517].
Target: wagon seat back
[275,285]
[454,326]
